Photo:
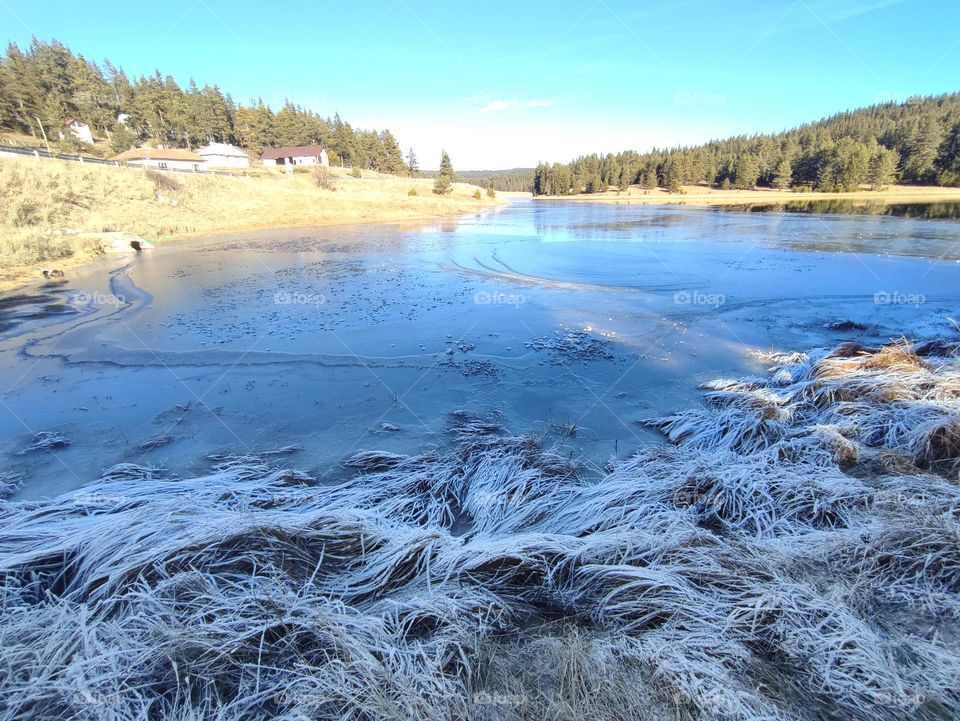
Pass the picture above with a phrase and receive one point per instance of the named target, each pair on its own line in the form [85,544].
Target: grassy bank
[43,204]
[703,195]
[793,553]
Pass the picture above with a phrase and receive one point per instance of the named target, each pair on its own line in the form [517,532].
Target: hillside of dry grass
[45,204]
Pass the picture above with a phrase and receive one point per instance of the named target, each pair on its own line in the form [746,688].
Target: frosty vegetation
[793,553]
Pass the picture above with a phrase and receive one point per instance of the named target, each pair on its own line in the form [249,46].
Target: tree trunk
[44,132]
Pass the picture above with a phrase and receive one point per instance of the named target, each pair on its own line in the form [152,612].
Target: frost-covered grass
[795,554]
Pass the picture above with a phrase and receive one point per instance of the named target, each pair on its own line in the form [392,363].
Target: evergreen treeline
[41,87]
[915,142]
[513,180]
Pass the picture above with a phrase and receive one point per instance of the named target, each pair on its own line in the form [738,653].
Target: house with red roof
[296,155]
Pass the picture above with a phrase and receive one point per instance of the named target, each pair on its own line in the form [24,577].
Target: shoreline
[61,233]
[25,277]
[703,196]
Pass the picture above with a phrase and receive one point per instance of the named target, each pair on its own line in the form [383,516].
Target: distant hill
[512,180]
[914,142]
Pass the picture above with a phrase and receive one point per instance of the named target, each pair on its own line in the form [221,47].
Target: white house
[163,158]
[298,155]
[81,131]
[224,155]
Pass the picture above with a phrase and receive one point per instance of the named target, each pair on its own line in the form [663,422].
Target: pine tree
[24,89]
[948,157]
[122,139]
[392,154]
[649,179]
[446,167]
[253,127]
[850,163]
[412,165]
[746,172]
[673,175]
[593,184]
[783,176]
[7,107]
[883,167]
[344,141]
[920,150]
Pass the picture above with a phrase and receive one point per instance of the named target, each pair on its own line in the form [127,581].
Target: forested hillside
[915,142]
[512,180]
[43,86]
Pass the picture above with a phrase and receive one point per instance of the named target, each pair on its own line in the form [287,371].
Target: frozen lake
[573,321]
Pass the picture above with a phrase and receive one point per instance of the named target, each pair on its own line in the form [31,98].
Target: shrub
[321,176]
[122,139]
[163,181]
[356,172]
[413,192]
[491,193]
[442,185]
[476,194]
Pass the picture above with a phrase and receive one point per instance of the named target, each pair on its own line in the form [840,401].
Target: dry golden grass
[43,202]
[703,195]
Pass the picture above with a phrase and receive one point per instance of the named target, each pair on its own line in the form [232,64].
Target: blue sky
[504,84]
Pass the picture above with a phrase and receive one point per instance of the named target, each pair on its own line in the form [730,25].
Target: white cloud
[495,106]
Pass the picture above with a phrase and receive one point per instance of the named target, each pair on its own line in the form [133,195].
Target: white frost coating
[795,556]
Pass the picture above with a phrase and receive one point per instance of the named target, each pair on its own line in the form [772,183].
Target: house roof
[225,149]
[158,154]
[297,151]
